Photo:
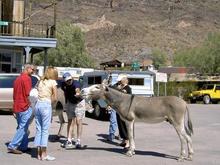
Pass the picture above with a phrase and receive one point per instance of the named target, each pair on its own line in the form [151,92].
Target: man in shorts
[74,109]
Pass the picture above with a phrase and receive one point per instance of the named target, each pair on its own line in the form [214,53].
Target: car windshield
[205,87]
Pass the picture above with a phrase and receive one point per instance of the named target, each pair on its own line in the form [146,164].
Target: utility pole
[55,16]
[29,20]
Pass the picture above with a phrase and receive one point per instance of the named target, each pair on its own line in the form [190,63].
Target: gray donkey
[133,108]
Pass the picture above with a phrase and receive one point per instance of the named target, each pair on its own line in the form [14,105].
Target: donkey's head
[94,92]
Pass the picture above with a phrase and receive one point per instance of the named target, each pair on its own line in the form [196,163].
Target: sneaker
[64,144]
[49,158]
[68,145]
[78,145]
[14,151]
[73,141]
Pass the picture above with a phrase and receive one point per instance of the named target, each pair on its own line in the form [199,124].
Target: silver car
[6,93]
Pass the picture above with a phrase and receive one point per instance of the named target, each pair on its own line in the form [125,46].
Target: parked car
[141,84]
[209,93]
[6,93]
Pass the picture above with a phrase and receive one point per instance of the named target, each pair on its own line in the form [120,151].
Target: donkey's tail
[188,123]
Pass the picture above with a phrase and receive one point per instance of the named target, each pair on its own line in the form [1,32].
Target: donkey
[133,108]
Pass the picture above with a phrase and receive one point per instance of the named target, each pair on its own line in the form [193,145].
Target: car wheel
[206,99]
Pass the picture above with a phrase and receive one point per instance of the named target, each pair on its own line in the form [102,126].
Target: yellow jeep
[209,93]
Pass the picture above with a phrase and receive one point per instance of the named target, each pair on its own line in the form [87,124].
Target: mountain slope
[131,29]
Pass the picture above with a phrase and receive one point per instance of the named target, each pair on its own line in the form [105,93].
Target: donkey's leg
[179,128]
[189,144]
[130,129]
[62,122]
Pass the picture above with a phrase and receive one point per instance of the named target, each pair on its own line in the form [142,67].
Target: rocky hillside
[131,29]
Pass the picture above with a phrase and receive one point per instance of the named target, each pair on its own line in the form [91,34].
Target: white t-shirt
[45,89]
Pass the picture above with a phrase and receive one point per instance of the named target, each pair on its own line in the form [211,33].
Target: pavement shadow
[105,139]
[56,138]
[156,154]
[137,152]
[30,151]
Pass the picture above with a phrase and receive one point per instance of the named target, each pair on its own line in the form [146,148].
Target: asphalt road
[156,144]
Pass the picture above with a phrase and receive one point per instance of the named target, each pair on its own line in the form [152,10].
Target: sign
[135,66]
[161,77]
[3,23]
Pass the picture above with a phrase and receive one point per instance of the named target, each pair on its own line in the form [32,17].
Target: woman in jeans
[47,93]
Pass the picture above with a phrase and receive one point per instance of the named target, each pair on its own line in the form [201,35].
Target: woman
[47,94]
[125,88]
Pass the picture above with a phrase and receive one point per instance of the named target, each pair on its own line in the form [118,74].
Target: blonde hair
[124,80]
[50,73]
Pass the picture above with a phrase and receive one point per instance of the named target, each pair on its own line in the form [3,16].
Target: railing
[24,29]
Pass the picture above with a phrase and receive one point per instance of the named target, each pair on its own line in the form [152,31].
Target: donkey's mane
[114,88]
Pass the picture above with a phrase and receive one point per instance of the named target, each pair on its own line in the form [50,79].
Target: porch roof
[35,43]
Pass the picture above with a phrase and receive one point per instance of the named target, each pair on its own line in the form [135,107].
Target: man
[22,110]
[71,90]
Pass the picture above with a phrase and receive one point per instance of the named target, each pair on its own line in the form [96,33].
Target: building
[111,64]
[181,74]
[19,39]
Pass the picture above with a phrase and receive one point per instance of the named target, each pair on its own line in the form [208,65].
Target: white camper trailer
[141,83]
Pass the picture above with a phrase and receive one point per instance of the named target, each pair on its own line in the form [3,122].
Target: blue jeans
[113,124]
[43,114]
[20,139]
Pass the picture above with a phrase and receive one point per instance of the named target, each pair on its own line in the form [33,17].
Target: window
[5,62]
[217,87]
[94,80]
[7,81]
[205,87]
[6,68]
[136,81]
[11,60]
[6,57]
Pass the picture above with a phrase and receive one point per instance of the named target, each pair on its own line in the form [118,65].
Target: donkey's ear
[105,82]
[104,87]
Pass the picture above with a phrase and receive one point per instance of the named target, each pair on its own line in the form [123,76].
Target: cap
[121,76]
[76,75]
[67,76]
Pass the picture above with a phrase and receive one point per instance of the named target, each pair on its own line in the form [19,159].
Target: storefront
[16,51]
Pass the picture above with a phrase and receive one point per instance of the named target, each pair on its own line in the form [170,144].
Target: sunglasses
[69,80]
[32,69]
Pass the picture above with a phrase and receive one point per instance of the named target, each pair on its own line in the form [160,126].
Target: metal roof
[28,42]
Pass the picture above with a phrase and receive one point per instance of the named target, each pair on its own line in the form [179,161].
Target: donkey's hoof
[130,153]
[180,159]
[189,158]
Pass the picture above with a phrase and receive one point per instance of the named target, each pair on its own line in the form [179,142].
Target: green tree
[205,58]
[70,50]
[159,58]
